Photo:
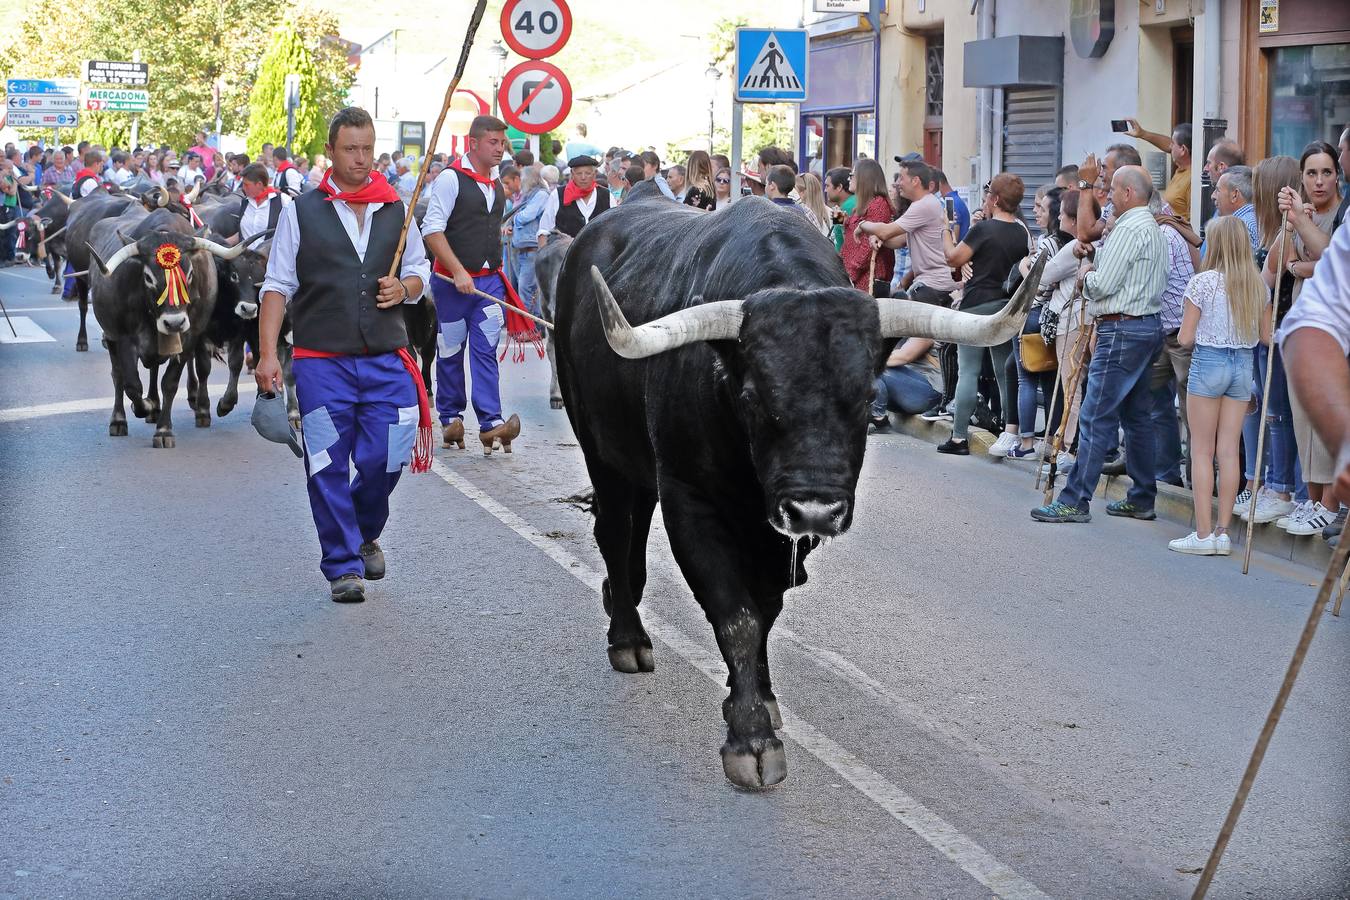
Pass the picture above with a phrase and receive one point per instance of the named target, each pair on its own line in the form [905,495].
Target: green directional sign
[117,99]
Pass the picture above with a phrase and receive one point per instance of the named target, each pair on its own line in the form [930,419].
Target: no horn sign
[771,65]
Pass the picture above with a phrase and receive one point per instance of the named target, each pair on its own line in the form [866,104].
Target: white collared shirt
[281,274]
[445,191]
[585,205]
[254,217]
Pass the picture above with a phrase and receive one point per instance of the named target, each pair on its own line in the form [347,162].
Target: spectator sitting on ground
[910,384]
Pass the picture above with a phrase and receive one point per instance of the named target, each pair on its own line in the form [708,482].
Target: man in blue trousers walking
[463,228]
[362,401]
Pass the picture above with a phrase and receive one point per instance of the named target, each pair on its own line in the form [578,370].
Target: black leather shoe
[348,589]
[955,447]
[373,557]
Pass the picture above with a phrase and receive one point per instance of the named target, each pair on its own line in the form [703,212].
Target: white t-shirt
[1206,290]
[924,222]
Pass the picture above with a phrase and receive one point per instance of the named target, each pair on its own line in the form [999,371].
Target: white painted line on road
[69,307]
[973,859]
[21,413]
[25,331]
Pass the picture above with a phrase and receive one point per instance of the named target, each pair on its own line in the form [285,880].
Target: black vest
[79,184]
[472,230]
[273,211]
[570,221]
[334,309]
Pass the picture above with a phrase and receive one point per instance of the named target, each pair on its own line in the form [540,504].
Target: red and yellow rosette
[170,259]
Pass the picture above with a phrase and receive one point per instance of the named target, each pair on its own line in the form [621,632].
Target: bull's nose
[246,310]
[818,517]
[174,323]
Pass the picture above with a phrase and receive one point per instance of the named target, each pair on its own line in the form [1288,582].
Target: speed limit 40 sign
[536,29]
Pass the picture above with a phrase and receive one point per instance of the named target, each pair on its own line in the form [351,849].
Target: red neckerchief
[85,171]
[481,179]
[376,190]
[572,193]
[262,198]
[284,165]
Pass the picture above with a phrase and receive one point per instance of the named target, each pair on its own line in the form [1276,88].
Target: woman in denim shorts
[1225,315]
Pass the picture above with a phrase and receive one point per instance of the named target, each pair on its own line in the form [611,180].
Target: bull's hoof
[203,420]
[223,409]
[163,442]
[775,717]
[117,428]
[56,289]
[149,412]
[555,402]
[81,346]
[632,660]
[756,770]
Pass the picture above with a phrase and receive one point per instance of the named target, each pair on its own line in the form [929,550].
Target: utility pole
[292,101]
[135,117]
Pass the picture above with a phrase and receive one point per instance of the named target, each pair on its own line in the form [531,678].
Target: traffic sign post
[42,103]
[536,29]
[771,65]
[535,97]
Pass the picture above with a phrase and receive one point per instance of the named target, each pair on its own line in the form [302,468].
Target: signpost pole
[135,117]
[737,112]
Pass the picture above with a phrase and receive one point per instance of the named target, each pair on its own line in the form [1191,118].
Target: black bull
[750,430]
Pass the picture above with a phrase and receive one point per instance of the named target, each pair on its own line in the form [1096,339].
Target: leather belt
[1117,317]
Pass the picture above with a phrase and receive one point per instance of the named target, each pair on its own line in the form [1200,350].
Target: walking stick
[1340,590]
[1338,561]
[474,20]
[872,271]
[502,303]
[10,323]
[1080,365]
[1265,402]
[1057,442]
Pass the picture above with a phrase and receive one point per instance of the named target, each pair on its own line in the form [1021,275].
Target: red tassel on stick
[421,460]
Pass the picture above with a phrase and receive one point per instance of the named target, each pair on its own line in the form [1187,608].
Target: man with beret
[574,204]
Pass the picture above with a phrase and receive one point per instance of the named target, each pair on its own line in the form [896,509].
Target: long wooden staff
[1338,561]
[872,270]
[1054,444]
[1255,486]
[474,20]
[1080,365]
[502,303]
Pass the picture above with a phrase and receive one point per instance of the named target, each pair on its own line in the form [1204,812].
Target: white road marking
[41,410]
[23,330]
[69,307]
[973,859]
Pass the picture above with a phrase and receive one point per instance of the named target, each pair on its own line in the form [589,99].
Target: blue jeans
[904,390]
[522,276]
[1281,451]
[1118,394]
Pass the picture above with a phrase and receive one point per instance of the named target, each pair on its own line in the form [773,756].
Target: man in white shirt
[262,204]
[189,174]
[463,228]
[571,206]
[407,178]
[288,178]
[361,397]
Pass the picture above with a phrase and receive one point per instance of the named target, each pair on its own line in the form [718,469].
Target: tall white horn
[8,225]
[121,256]
[909,318]
[65,198]
[194,193]
[718,321]
[219,250]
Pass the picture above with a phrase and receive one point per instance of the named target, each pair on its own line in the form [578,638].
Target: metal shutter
[1031,121]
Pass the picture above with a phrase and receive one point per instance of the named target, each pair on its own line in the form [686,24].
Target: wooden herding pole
[1337,565]
[1255,486]
[474,21]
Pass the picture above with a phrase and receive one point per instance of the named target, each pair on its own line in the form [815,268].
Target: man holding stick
[463,232]
[362,401]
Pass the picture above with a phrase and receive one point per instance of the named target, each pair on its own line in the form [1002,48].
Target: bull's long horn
[718,321]
[121,256]
[8,225]
[66,199]
[193,194]
[259,237]
[32,189]
[908,318]
[219,250]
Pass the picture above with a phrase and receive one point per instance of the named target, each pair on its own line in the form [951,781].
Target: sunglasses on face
[724,181]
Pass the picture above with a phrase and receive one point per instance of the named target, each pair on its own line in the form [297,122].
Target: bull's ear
[124,238]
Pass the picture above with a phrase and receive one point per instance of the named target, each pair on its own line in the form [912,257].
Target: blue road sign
[61,86]
[771,65]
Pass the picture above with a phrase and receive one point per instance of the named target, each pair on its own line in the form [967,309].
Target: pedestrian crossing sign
[771,65]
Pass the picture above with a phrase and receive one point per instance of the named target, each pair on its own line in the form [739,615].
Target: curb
[1173,503]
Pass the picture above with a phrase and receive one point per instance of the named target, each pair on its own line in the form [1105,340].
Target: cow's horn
[66,199]
[219,250]
[8,225]
[259,237]
[908,318]
[193,194]
[718,321]
[122,255]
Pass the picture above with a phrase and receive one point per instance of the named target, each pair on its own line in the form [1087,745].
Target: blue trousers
[522,275]
[468,321]
[904,390]
[1118,393]
[359,412]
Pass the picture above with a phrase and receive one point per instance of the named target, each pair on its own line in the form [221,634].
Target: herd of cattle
[115,242]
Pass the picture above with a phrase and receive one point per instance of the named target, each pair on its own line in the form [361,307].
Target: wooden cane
[1340,590]
[474,20]
[872,271]
[500,302]
[1057,441]
[1081,364]
[1255,486]
[1338,561]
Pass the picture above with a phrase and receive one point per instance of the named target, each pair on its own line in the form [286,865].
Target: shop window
[1309,96]
[813,128]
[838,141]
[865,132]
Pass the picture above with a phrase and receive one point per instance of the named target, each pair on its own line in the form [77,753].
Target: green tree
[286,54]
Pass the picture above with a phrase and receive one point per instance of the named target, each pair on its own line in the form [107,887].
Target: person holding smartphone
[920,228]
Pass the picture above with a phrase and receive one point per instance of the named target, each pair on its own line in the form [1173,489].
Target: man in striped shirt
[1124,293]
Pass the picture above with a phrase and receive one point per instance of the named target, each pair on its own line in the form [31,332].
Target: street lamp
[498,51]
[713,74]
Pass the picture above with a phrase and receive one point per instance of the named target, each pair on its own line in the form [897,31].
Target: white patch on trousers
[402,437]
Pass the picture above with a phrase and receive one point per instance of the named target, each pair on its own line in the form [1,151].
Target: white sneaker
[1301,511]
[1195,545]
[1243,503]
[1318,517]
[1223,545]
[1269,507]
[1004,443]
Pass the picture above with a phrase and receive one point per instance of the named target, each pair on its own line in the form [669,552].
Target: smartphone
[1120,125]
[745,190]
[951,208]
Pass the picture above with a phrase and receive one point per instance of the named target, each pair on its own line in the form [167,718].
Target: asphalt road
[975,705]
